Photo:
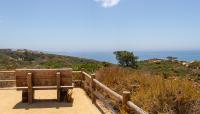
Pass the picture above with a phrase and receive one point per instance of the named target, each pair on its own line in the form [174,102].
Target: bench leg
[58,95]
[24,96]
[63,93]
[30,96]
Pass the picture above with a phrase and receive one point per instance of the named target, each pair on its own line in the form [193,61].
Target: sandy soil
[10,103]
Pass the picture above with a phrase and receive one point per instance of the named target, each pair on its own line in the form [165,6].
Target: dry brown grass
[154,93]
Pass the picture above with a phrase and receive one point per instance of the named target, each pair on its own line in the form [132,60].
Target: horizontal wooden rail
[7,71]
[7,80]
[136,108]
[76,71]
[8,88]
[12,71]
[43,87]
[86,74]
[116,95]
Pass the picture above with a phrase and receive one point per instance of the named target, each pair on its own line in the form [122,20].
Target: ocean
[143,55]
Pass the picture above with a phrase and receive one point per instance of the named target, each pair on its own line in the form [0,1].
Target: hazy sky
[100,25]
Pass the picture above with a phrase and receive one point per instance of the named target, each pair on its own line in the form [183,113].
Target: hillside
[12,59]
[168,69]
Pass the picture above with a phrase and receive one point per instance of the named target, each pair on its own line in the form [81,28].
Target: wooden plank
[76,72]
[68,87]
[136,108]
[66,81]
[43,87]
[8,88]
[64,69]
[42,73]
[7,71]
[7,80]
[108,90]
[7,84]
[7,75]
[43,77]
[76,75]
[44,82]
[86,75]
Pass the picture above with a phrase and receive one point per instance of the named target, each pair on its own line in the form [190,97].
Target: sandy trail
[10,103]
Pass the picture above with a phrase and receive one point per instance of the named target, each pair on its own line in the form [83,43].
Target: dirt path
[10,103]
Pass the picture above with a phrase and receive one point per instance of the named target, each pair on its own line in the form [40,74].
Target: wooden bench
[29,80]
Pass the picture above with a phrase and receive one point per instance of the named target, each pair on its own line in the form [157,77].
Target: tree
[126,59]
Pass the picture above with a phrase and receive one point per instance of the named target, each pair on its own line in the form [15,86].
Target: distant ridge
[23,58]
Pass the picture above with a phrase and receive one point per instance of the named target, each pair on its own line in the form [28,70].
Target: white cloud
[108,3]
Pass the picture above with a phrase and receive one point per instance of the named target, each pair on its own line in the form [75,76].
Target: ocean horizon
[143,55]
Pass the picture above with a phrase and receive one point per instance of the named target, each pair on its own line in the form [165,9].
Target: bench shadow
[43,103]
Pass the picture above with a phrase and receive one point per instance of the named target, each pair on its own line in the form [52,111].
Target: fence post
[82,78]
[126,98]
[93,88]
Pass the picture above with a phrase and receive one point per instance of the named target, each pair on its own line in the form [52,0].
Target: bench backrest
[43,77]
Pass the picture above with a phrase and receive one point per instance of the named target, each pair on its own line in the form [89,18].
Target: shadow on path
[43,103]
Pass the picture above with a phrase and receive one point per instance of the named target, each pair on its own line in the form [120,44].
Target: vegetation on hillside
[168,69]
[12,59]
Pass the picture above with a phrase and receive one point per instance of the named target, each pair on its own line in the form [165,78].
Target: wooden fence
[7,79]
[94,89]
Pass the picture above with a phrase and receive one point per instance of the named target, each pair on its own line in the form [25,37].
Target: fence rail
[7,71]
[7,79]
[108,90]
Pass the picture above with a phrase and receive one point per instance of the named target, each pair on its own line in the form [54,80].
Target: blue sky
[100,25]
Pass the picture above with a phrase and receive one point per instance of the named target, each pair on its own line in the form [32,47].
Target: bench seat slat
[45,87]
